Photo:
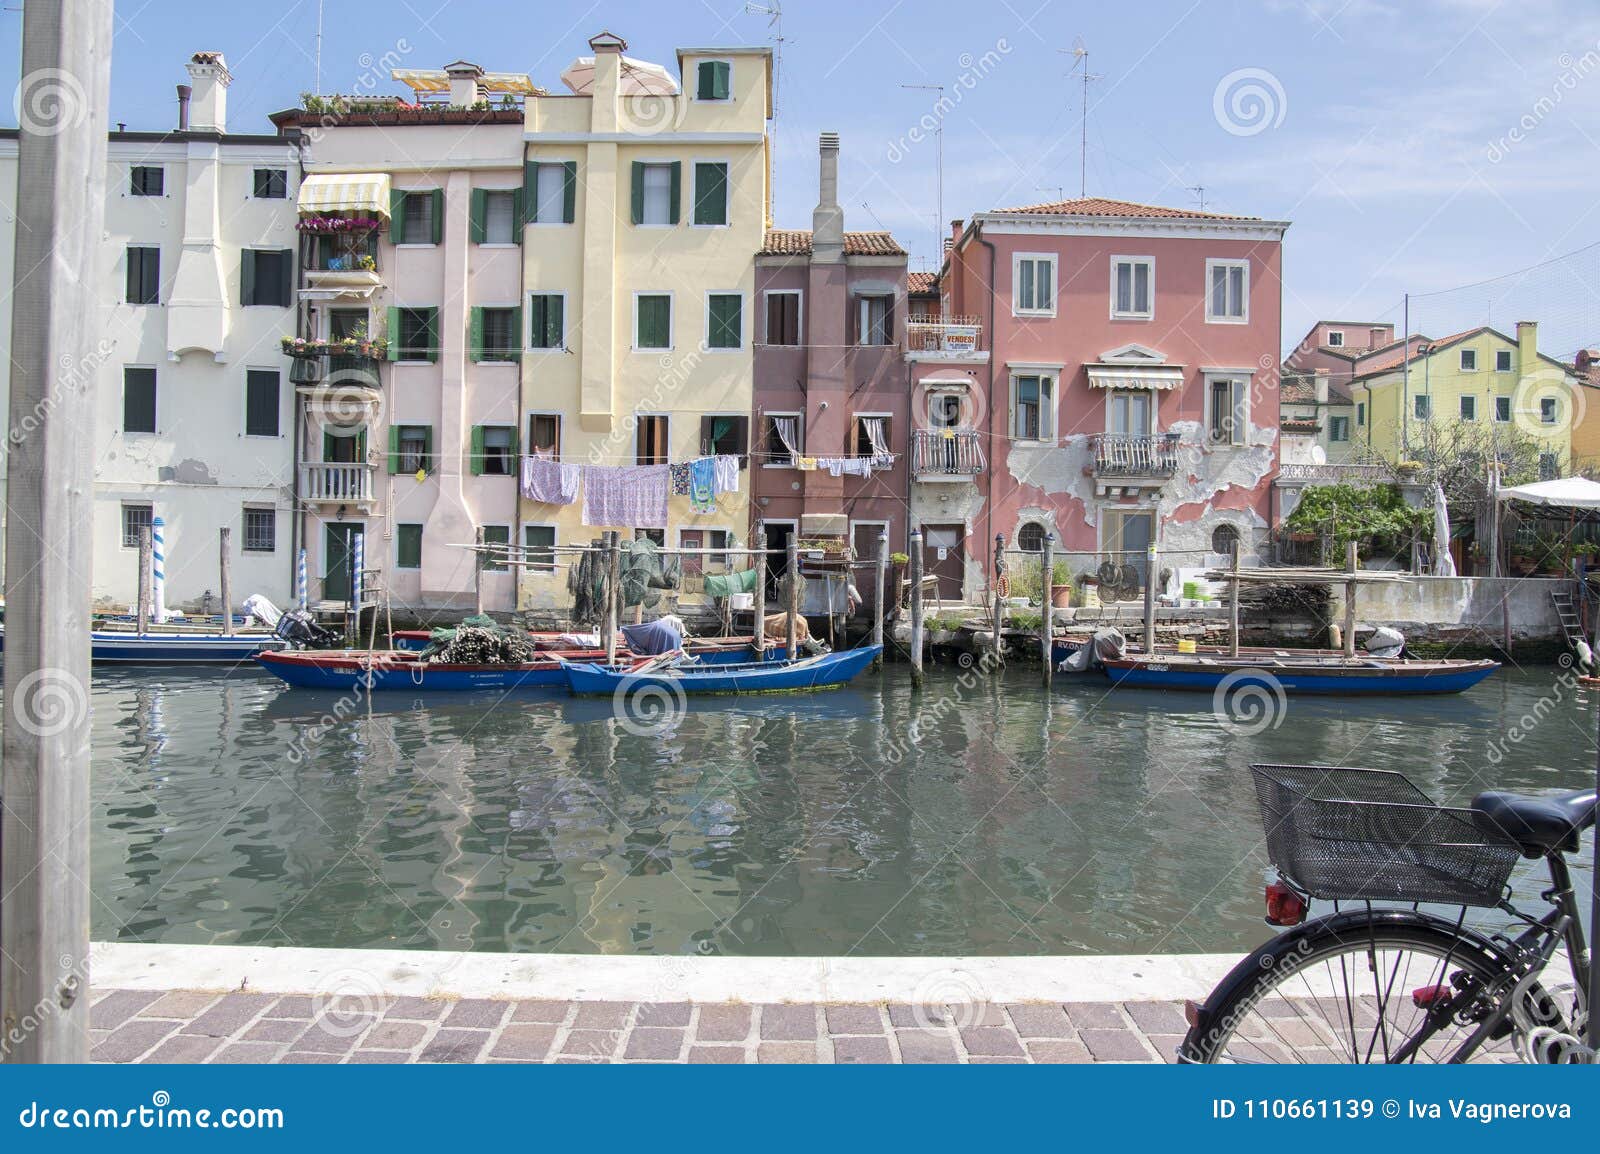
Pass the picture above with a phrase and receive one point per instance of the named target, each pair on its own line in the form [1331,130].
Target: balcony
[340,256]
[954,339]
[1334,473]
[336,482]
[946,454]
[1133,461]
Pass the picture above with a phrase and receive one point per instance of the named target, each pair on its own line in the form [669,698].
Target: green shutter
[638,192]
[555,321]
[705,83]
[475,333]
[437,214]
[394,448]
[726,327]
[569,192]
[433,334]
[397,216]
[475,462]
[427,448]
[677,191]
[720,70]
[711,194]
[247,276]
[517,200]
[515,438]
[515,350]
[477,213]
[394,335]
[530,191]
[287,298]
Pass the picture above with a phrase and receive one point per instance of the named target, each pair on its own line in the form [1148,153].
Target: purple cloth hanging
[626,496]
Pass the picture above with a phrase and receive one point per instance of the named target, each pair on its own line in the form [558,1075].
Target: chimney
[1380,336]
[607,87]
[1319,387]
[1527,347]
[209,107]
[464,92]
[184,92]
[955,233]
[827,222]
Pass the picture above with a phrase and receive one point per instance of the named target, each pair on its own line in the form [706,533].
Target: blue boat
[824,671]
[707,650]
[1316,674]
[127,647]
[386,670]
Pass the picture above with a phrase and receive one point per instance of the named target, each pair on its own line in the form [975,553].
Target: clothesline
[634,495]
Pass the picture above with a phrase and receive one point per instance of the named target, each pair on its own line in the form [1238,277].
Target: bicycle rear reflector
[1285,907]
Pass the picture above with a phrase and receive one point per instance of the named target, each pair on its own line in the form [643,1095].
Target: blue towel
[652,638]
[703,484]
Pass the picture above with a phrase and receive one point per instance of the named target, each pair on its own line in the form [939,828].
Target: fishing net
[643,574]
[479,641]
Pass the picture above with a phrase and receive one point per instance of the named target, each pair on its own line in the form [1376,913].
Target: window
[138,400]
[1549,410]
[1335,339]
[1469,408]
[711,193]
[725,436]
[700,563]
[261,403]
[782,439]
[1361,414]
[1131,292]
[271,184]
[1033,285]
[497,539]
[544,435]
[547,321]
[146,180]
[1224,540]
[1502,409]
[1225,415]
[144,275]
[1033,414]
[1030,537]
[874,320]
[650,440]
[724,321]
[494,451]
[1549,466]
[870,438]
[420,219]
[410,449]
[1502,360]
[552,189]
[712,80]
[659,536]
[655,192]
[260,530]
[266,277]
[408,546]
[1338,429]
[494,216]
[495,333]
[539,548]
[1227,298]
[783,317]
[1421,407]
[1130,412]
[1469,360]
[135,518]
[652,328]
[415,333]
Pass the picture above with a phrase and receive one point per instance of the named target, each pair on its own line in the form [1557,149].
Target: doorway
[777,538]
[944,556]
[338,549]
[864,540]
[1127,539]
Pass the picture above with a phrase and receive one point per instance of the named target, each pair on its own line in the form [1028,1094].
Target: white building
[194,415]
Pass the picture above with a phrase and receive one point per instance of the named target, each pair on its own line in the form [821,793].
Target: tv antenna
[1059,190]
[938,139]
[1199,191]
[319,49]
[1080,56]
[774,14]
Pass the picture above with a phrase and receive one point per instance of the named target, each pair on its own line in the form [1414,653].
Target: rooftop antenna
[938,138]
[774,13]
[1059,190]
[1080,55]
[1199,191]
[319,48]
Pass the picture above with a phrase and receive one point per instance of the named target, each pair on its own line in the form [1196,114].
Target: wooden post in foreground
[225,580]
[1350,600]
[1047,586]
[758,549]
[1233,604]
[1152,574]
[881,577]
[59,208]
[146,557]
[794,595]
[916,608]
[478,559]
[611,618]
[999,613]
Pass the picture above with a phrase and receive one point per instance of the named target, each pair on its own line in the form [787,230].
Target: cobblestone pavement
[196,1026]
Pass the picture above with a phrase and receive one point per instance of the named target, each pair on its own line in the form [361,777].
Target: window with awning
[1135,376]
[363,192]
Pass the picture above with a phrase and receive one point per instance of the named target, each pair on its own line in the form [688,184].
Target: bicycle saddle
[1538,824]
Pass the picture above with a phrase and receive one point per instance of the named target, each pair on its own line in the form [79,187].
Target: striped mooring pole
[158,581]
[358,562]
[302,591]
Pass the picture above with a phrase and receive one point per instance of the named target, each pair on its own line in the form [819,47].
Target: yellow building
[1479,378]
[646,198]
[1586,421]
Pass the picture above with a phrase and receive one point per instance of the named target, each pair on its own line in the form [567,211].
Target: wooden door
[944,555]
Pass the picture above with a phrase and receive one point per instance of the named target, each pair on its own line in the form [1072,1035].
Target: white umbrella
[639,77]
[1443,564]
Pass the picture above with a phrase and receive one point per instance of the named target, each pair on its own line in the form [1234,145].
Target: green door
[338,544]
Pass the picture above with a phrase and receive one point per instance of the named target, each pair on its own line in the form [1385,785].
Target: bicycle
[1371,983]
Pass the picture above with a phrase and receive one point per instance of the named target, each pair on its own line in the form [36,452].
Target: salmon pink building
[1129,388]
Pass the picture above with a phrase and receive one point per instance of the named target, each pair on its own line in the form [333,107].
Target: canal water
[982,816]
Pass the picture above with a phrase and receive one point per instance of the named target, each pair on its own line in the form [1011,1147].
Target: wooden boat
[709,650]
[1318,673]
[824,671]
[384,670]
[129,647]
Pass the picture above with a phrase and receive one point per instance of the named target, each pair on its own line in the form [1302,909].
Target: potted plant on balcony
[1060,585]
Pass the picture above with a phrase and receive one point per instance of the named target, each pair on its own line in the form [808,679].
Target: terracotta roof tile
[797,242]
[1100,206]
[922,283]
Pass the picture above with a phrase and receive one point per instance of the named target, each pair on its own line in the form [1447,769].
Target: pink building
[1130,393]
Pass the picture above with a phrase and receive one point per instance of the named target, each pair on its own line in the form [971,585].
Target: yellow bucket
[1186,646]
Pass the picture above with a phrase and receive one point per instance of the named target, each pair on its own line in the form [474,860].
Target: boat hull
[825,672]
[391,672]
[1361,678]
[114,647]
[713,651]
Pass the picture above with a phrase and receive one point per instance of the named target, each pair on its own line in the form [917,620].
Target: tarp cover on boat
[653,637]
[1566,493]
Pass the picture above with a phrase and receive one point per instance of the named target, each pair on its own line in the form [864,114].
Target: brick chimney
[1319,387]
[827,220]
[208,107]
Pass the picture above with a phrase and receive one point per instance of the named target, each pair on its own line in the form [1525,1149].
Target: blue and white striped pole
[302,591]
[358,562]
[158,581]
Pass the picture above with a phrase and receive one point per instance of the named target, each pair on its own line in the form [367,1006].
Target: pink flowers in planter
[338,224]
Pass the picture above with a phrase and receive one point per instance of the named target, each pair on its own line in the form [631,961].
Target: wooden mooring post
[999,607]
[1151,575]
[613,614]
[915,567]
[225,581]
[1350,600]
[793,600]
[882,579]
[758,598]
[1047,620]
[477,573]
[146,557]
[1233,604]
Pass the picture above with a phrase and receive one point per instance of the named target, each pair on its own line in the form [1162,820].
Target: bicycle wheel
[1357,992]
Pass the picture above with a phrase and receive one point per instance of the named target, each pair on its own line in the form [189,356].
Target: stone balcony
[946,339]
[946,454]
[337,483]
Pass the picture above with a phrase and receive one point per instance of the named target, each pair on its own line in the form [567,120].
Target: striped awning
[1135,376]
[345,192]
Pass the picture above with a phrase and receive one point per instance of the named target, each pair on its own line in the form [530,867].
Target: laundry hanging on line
[550,482]
[634,495]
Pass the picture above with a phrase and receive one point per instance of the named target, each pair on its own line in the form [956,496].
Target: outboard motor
[1385,642]
[301,630]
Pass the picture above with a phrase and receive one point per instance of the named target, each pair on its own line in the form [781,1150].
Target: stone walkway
[193,1026]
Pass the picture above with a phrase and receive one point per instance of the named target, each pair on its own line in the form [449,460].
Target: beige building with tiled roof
[797,242]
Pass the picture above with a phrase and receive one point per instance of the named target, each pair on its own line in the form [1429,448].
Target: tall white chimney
[208,107]
[827,221]
[464,91]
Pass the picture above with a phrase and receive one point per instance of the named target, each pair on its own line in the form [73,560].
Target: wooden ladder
[1571,623]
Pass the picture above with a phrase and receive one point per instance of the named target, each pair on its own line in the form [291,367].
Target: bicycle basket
[1368,834]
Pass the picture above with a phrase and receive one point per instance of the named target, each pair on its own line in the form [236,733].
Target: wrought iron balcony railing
[946,452]
[1135,455]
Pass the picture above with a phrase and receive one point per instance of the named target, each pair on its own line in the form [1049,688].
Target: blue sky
[1416,146]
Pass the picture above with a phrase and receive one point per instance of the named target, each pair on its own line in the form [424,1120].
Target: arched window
[1223,540]
[1030,537]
